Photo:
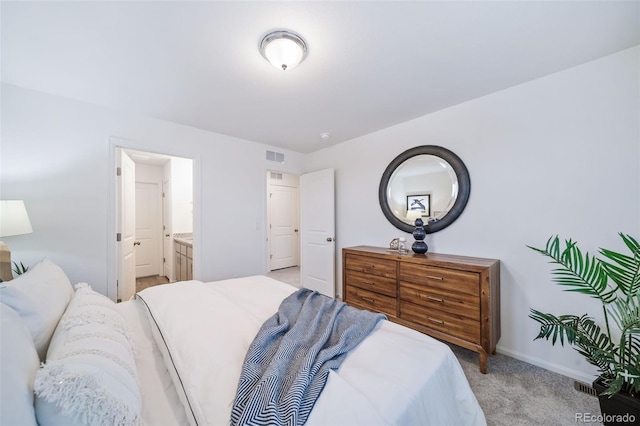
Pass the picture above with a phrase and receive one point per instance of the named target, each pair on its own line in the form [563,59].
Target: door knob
[329,239]
[136,243]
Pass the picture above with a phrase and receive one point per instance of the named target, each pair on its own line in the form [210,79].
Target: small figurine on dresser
[393,245]
[399,244]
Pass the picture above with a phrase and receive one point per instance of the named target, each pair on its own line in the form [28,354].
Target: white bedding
[396,376]
[160,403]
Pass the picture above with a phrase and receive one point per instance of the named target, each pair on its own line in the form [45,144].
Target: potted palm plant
[613,279]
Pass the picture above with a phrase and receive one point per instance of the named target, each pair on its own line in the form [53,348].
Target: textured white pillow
[40,297]
[90,375]
[18,365]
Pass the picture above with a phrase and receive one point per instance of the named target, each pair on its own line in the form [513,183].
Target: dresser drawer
[369,265]
[441,278]
[370,301]
[453,302]
[451,324]
[370,282]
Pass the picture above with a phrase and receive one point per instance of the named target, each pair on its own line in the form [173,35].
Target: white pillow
[90,375]
[40,297]
[18,365]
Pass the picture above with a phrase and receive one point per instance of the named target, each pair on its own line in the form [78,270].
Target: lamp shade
[14,219]
[284,49]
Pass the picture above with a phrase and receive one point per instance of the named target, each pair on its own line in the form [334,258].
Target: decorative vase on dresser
[452,298]
[419,246]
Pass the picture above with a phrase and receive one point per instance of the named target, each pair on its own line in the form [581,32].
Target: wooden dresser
[452,298]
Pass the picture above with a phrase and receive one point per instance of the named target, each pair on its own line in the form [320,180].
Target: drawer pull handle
[431,277]
[432,299]
[437,321]
[367,299]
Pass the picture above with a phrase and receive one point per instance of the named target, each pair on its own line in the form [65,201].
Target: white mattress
[160,403]
[396,376]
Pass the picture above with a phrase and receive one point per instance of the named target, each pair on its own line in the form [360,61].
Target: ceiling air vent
[278,157]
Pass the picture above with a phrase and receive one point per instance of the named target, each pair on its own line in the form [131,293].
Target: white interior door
[283,226]
[126,188]
[317,232]
[148,232]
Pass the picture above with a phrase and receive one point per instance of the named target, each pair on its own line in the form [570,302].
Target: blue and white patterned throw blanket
[288,363]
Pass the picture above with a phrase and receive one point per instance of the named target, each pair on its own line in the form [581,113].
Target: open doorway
[154,200]
[283,227]
[301,229]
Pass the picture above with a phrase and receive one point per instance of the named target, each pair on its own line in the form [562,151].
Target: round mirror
[427,182]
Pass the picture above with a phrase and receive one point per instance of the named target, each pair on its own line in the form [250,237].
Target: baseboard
[574,374]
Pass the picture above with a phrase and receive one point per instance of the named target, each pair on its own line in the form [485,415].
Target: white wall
[56,154]
[181,195]
[558,155]
[146,173]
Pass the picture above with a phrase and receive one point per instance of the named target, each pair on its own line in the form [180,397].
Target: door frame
[113,143]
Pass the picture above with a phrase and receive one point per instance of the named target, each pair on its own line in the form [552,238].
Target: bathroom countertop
[184,241]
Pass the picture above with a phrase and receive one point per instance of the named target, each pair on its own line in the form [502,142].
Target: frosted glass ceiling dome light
[284,49]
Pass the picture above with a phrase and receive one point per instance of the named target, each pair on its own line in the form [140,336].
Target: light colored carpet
[515,393]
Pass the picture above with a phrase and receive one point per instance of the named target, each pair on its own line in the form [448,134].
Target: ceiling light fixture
[284,49]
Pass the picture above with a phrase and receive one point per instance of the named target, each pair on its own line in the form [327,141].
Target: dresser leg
[482,355]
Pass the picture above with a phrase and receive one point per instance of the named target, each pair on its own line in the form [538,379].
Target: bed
[174,354]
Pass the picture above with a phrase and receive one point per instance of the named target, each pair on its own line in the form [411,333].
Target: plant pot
[617,409]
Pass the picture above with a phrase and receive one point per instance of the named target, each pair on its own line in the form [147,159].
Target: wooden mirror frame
[464,187]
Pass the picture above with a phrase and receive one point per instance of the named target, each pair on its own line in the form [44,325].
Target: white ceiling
[371,64]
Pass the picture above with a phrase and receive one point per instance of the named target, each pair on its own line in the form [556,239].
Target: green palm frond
[583,272]
[596,346]
[627,318]
[556,328]
[590,335]
[634,364]
[598,358]
[626,270]
[626,314]
[581,332]
[633,361]
[634,352]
